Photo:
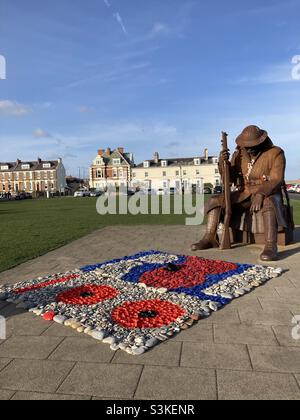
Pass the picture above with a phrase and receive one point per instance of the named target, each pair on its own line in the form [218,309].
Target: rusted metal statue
[256,176]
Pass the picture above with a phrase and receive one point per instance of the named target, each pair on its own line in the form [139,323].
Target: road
[294,196]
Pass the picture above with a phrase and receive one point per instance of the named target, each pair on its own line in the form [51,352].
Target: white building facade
[181,173]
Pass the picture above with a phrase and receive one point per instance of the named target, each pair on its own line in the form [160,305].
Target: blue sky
[149,75]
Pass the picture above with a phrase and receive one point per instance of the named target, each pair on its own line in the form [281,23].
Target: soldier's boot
[210,238]
[270,252]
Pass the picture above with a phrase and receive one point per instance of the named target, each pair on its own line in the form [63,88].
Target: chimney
[156,157]
[39,160]
[100,152]
[206,155]
[18,161]
[120,150]
[108,151]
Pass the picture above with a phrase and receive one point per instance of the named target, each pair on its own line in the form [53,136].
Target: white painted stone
[87,330]
[98,335]
[59,319]
[109,340]
[139,351]
[152,342]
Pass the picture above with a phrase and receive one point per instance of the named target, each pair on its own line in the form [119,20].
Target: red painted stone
[46,284]
[192,273]
[130,314]
[48,316]
[87,295]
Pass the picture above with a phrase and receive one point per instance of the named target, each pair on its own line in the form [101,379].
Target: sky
[148,75]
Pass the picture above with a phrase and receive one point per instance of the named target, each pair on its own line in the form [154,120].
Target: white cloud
[40,133]
[117,73]
[13,109]
[160,29]
[119,19]
[279,73]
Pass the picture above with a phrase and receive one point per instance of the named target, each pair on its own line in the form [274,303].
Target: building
[111,168]
[177,173]
[33,177]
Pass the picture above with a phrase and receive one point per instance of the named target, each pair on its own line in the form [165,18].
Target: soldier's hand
[257,203]
[225,155]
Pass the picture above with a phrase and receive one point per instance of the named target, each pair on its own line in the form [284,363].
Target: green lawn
[34,227]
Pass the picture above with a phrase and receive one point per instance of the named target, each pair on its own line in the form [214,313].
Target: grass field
[31,228]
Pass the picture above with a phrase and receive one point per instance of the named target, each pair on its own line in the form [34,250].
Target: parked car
[23,196]
[291,188]
[148,191]
[173,191]
[160,191]
[297,189]
[128,193]
[207,190]
[95,193]
[218,190]
[80,194]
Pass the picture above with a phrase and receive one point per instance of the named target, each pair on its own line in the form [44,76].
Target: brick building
[111,168]
[33,177]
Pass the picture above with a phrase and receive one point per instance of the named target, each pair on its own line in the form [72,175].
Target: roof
[34,166]
[126,158]
[177,162]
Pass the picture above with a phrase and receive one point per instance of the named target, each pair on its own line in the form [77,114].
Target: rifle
[226,243]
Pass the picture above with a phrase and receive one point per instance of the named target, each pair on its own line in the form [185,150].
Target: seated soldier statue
[257,171]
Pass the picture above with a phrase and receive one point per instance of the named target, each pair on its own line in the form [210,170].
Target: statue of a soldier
[257,171]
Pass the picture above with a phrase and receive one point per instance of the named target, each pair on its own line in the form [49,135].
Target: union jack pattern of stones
[139,301]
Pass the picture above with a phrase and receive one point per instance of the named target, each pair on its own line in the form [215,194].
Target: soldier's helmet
[251,136]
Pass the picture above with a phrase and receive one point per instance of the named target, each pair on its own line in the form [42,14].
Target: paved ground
[244,351]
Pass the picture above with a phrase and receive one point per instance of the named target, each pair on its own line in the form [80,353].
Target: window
[26,166]
[184,173]
[197,162]
[115,173]
[99,162]
[121,173]
[146,174]
[164,173]
[217,171]
[164,163]
[99,173]
[146,164]
[197,172]
[165,185]
[46,165]
[116,161]
[177,173]
[133,175]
